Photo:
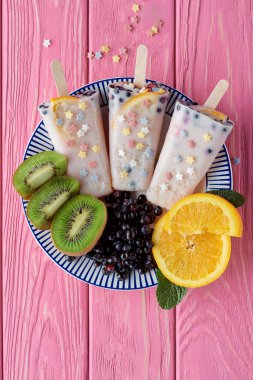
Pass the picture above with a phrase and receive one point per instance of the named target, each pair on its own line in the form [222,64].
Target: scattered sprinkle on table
[236,160]
[98,55]
[128,28]
[105,49]
[116,58]
[123,50]
[135,8]
[90,54]
[47,43]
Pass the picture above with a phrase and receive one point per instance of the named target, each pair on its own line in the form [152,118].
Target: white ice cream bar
[135,120]
[195,136]
[75,127]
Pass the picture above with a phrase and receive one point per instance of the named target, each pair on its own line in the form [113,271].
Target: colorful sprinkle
[133,185]
[141,135]
[47,43]
[132,115]
[158,23]
[59,122]
[121,118]
[69,115]
[191,144]
[179,176]
[132,123]
[149,33]
[93,164]
[123,50]
[134,19]
[190,159]
[177,131]
[131,144]
[85,128]
[183,133]
[126,131]
[149,152]
[80,133]
[94,178]
[136,8]
[190,171]
[96,148]
[72,129]
[164,186]
[71,142]
[121,153]
[207,137]
[236,160]
[154,29]
[123,174]
[90,55]
[84,147]
[144,121]
[168,176]
[105,49]
[178,158]
[147,103]
[79,116]
[98,55]
[82,105]
[145,130]
[144,173]
[116,58]
[133,163]
[128,28]
[84,173]
[82,154]
[139,146]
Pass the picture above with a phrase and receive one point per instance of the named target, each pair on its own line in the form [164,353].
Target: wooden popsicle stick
[141,66]
[212,102]
[59,78]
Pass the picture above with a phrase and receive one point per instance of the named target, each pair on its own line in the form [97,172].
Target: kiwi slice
[78,225]
[49,198]
[37,170]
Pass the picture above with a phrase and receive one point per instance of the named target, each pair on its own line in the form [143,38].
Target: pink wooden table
[56,327]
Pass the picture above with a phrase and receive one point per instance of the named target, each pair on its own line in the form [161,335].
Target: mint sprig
[168,294]
[236,199]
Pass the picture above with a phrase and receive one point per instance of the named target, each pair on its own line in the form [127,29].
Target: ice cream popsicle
[75,127]
[195,136]
[135,120]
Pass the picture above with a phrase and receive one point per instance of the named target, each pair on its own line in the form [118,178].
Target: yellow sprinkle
[82,154]
[105,49]
[96,148]
[161,91]
[141,135]
[139,146]
[116,58]
[207,137]
[82,105]
[154,29]
[69,114]
[136,8]
[126,131]
[123,174]
[190,159]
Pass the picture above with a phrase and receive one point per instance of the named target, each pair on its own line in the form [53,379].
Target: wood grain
[130,336]
[214,325]
[45,311]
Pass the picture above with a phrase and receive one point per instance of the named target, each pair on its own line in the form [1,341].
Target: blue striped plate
[218,177]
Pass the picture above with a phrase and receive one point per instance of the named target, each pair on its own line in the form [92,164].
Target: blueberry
[109,199]
[124,256]
[145,219]
[111,237]
[98,249]
[148,207]
[149,244]
[134,208]
[117,194]
[119,234]
[152,218]
[158,211]
[145,229]
[115,206]
[125,227]
[127,247]
[141,199]
[126,194]
[139,243]
[159,110]
[118,246]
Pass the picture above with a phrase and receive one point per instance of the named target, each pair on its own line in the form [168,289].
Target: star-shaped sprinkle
[128,28]
[94,178]
[69,114]
[126,131]
[158,23]
[132,123]
[139,146]
[80,133]
[72,129]
[84,147]
[144,173]
[59,122]
[93,164]
[177,158]
[83,173]
[141,135]
[177,131]
[82,154]
[79,116]
[133,185]
[207,137]
[236,160]
[121,118]
[149,152]
[144,121]
[190,159]
[85,128]
[82,105]
[133,163]
[134,19]
[123,50]
[116,58]
[47,43]
[98,55]
[147,103]
[71,142]
[179,176]
[145,130]
[131,115]
[90,55]
[136,8]
[123,174]
[105,49]
[163,186]
[149,33]
[121,152]
[183,133]
[168,176]
[96,148]
[131,144]
[191,144]
[190,171]
[154,29]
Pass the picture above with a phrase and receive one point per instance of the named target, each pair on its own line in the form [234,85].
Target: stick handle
[217,94]
[141,66]
[59,78]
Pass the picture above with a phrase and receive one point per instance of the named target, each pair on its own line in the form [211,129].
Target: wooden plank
[214,324]
[45,311]
[130,336]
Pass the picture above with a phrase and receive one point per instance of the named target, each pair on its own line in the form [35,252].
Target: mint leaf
[236,199]
[168,294]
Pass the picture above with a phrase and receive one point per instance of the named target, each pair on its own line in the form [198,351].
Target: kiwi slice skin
[49,198]
[37,170]
[78,225]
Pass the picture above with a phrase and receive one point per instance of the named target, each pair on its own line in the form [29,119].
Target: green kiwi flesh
[49,198]
[79,224]
[37,170]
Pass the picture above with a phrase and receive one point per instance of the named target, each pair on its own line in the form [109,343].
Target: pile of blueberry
[126,243]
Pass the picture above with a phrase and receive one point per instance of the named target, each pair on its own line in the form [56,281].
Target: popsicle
[135,119]
[195,136]
[75,127]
